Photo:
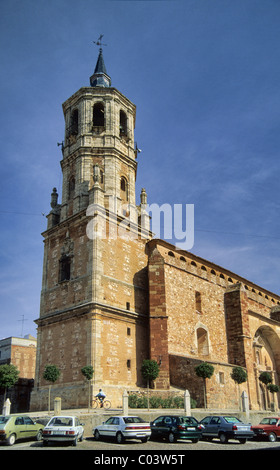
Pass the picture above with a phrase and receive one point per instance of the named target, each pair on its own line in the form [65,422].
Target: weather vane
[99,41]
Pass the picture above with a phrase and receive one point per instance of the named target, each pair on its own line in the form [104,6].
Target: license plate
[190,429]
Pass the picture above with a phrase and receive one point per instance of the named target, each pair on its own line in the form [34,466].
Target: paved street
[181,447]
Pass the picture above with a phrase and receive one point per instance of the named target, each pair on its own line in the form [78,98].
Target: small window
[128,363]
[127,305]
[128,331]
[123,124]
[221,378]
[198,302]
[101,176]
[65,268]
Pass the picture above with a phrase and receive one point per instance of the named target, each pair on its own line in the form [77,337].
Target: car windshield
[269,421]
[133,419]
[231,419]
[61,421]
[4,419]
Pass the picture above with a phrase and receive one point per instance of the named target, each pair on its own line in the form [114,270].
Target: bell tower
[99,130]
[94,298]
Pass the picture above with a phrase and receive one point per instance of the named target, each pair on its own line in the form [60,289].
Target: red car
[269,428]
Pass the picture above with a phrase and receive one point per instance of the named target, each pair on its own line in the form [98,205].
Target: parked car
[225,428]
[269,428]
[14,427]
[176,427]
[123,427]
[63,429]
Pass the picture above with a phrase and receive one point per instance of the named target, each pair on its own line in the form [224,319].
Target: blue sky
[205,78]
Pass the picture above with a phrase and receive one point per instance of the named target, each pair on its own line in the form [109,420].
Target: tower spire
[100,78]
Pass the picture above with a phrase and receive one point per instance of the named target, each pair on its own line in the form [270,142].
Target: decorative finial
[100,78]
[143,197]
[54,197]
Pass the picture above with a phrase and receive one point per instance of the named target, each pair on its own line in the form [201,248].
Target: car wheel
[96,435]
[81,437]
[243,441]
[272,437]
[144,439]
[223,438]
[171,437]
[75,442]
[39,435]
[195,440]
[11,440]
[119,437]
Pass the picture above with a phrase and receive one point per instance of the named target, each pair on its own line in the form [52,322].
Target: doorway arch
[266,345]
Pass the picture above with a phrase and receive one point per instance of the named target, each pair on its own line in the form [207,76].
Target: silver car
[225,428]
[123,427]
[63,429]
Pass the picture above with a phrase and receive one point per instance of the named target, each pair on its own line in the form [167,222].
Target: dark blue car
[225,428]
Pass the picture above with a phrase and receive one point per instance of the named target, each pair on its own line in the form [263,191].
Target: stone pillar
[245,404]
[187,403]
[57,406]
[7,407]
[125,403]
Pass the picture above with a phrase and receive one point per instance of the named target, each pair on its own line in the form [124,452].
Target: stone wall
[202,312]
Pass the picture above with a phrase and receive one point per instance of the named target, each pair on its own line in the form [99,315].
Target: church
[113,295]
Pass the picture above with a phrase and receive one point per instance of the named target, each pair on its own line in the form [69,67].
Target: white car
[123,427]
[63,429]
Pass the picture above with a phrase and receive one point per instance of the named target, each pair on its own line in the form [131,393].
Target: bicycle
[106,404]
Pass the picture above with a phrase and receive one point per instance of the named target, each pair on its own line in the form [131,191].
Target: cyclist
[101,396]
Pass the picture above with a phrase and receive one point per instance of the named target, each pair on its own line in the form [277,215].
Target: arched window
[123,124]
[98,115]
[74,122]
[71,188]
[202,342]
[124,188]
